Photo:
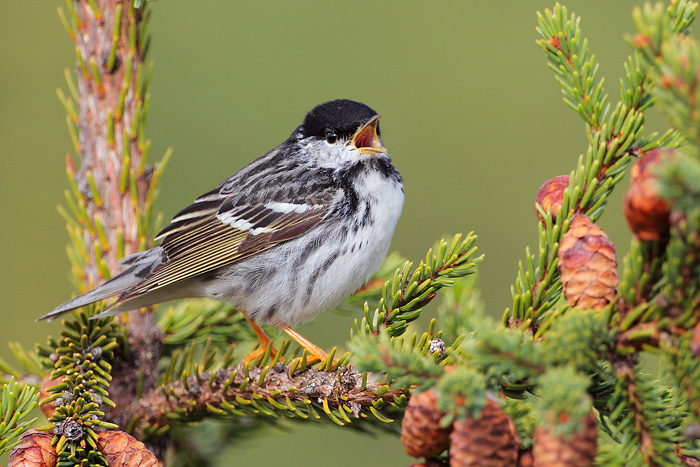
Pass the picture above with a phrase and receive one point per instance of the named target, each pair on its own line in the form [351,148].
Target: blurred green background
[472,116]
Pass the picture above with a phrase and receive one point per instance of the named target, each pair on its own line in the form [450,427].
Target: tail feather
[140,266]
[115,286]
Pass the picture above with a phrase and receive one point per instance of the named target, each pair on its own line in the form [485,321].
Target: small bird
[290,235]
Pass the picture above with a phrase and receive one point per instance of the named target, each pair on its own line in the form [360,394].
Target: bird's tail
[138,267]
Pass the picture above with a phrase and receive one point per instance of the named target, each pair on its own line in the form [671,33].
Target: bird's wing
[221,228]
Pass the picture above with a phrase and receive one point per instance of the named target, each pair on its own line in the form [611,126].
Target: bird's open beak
[366,140]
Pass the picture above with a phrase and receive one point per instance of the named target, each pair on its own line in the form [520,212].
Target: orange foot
[314,353]
[265,342]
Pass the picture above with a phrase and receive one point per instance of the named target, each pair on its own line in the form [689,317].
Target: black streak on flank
[367,217]
[324,267]
[270,313]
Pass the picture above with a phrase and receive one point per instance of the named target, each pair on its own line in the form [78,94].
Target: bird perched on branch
[290,235]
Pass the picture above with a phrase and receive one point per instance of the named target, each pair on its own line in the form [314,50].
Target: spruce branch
[573,68]
[614,136]
[108,216]
[344,397]
[641,272]
[683,367]
[461,308]
[564,402]
[404,296]
[679,294]
[405,362]
[672,58]
[199,320]
[82,367]
[645,419]
[510,360]
[31,368]
[17,403]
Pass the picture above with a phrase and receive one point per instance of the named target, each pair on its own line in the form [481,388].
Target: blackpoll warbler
[287,237]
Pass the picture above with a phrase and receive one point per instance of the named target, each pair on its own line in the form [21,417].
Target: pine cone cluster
[647,214]
[489,440]
[587,265]
[555,451]
[119,449]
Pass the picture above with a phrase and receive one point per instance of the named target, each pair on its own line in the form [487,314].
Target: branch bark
[206,394]
[115,184]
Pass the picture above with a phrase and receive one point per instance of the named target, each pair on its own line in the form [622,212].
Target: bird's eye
[331,137]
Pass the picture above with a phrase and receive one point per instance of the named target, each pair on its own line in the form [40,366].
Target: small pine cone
[551,194]
[641,169]
[556,451]
[489,441]
[34,450]
[647,214]
[421,433]
[123,450]
[587,265]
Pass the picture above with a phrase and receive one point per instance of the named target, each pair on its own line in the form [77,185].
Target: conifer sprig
[575,70]
[645,419]
[404,296]
[406,362]
[614,136]
[16,405]
[82,365]
[342,397]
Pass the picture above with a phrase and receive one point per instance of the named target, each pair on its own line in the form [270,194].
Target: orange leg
[262,337]
[315,352]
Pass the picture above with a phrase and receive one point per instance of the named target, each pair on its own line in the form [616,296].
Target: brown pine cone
[489,441]
[123,450]
[587,265]
[647,214]
[551,194]
[556,451]
[421,433]
[34,450]
[642,168]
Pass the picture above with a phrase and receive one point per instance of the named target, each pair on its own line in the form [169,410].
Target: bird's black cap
[341,116]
